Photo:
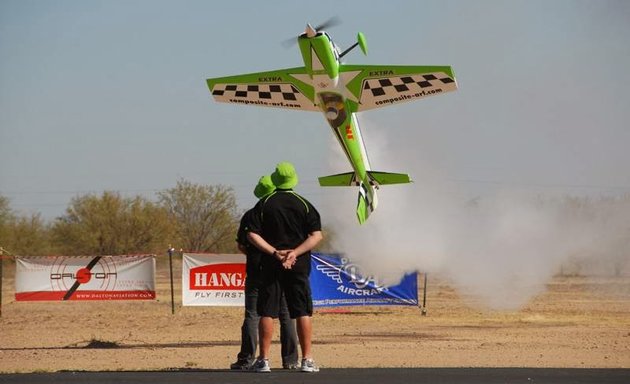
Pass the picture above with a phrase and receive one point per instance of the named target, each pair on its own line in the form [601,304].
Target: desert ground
[577,322]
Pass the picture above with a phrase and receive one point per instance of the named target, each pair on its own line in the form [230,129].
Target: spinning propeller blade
[332,22]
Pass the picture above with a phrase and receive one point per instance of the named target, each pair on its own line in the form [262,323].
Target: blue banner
[336,282]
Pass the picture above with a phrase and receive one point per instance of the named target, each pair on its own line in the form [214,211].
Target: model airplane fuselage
[327,85]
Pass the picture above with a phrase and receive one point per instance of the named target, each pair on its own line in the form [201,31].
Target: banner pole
[170,262]
[2,252]
[424,296]
[1,276]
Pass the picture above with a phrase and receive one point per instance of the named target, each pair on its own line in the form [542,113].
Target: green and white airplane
[340,91]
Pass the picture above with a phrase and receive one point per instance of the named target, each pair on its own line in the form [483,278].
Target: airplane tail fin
[367,200]
[366,203]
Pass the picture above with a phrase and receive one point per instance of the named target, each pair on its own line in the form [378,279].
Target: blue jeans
[249,330]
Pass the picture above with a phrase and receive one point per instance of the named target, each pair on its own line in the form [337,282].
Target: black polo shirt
[285,219]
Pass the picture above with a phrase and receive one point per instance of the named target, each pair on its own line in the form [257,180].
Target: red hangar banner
[85,278]
[213,279]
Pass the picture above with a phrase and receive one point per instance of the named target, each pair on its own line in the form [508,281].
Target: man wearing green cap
[249,329]
[285,227]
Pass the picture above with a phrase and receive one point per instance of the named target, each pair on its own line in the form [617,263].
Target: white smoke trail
[501,249]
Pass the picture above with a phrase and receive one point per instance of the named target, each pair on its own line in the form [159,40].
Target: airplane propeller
[332,22]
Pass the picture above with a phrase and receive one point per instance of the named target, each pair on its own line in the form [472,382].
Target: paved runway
[362,376]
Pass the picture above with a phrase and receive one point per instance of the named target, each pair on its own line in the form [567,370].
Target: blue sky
[111,95]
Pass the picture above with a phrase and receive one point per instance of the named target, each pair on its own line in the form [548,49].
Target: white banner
[213,279]
[85,278]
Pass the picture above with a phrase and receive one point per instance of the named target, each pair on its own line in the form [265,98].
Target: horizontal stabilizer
[340,180]
[376,178]
[384,178]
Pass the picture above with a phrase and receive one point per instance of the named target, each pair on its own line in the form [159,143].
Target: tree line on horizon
[204,218]
[189,216]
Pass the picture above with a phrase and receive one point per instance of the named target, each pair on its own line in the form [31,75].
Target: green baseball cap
[264,187]
[284,176]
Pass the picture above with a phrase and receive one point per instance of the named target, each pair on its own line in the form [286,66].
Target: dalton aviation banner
[336,281]
[85,278]
[213,279]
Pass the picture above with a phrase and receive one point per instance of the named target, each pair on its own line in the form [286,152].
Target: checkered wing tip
[277,95]
[380,92]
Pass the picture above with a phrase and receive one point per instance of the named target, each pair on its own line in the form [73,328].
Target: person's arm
[262,244]
[311,242]
[241,234]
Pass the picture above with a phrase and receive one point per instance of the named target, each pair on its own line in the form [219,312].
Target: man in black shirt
[285,227]
[249,329]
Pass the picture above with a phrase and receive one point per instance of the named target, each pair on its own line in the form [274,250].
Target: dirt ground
[577,322]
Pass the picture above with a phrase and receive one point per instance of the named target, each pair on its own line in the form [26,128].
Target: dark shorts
[293,282]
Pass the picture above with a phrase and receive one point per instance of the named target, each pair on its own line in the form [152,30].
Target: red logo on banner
[218,277]
[84,275]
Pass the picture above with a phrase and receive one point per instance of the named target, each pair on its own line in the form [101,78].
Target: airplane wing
[284,88]
[376,86]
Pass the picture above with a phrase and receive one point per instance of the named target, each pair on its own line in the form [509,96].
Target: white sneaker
[308,365]
[261,365]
